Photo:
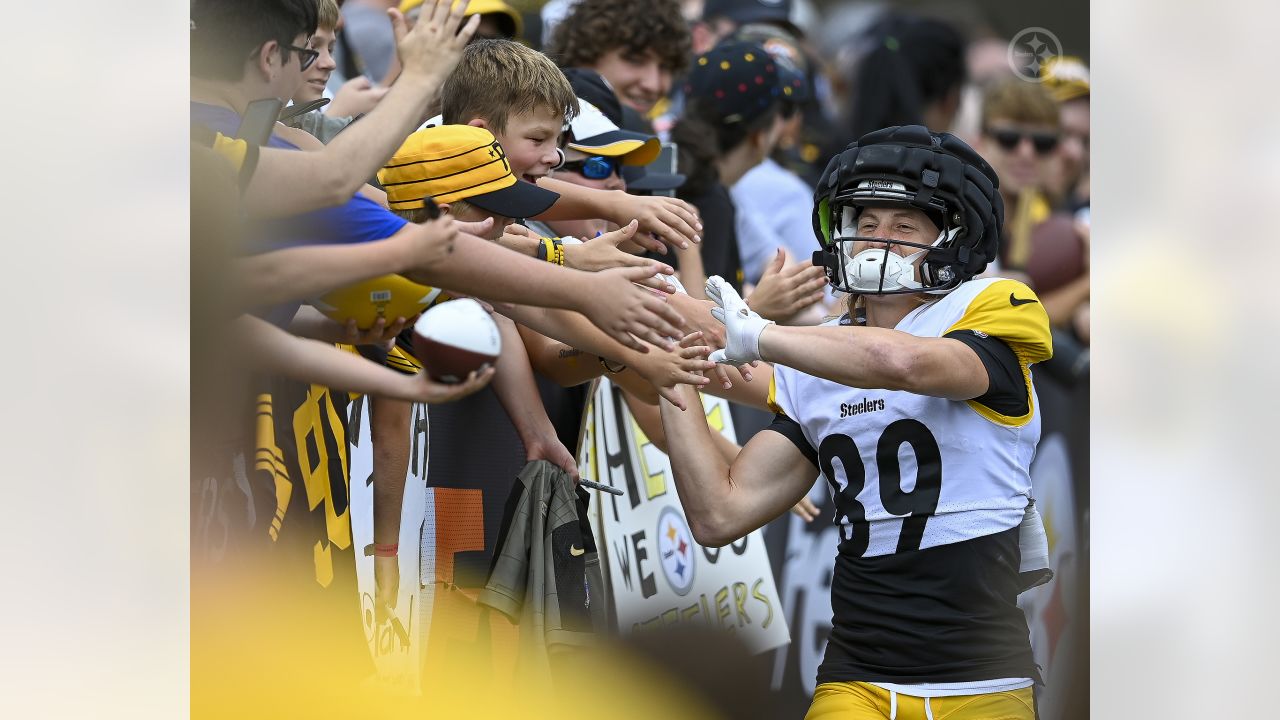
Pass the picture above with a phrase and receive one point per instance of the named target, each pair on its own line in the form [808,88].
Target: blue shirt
[355,221]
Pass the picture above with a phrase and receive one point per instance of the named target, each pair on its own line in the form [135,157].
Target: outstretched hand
[602,253]
[434,45]
[628,313]
[743,326]
[786,289]
[662,221]
[686,365]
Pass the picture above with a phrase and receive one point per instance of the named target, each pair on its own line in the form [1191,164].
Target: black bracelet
[542,251]
[605,364]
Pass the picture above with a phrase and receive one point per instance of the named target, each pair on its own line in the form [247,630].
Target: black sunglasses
[1043,142]
[306,56]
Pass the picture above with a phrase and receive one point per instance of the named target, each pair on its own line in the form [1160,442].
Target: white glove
[742,325]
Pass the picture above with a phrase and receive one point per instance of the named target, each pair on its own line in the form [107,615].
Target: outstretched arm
[428,53]
[481,268]
[663,369]
[662,219]
[273,350]
[871,357]
[724,501]
[867,357]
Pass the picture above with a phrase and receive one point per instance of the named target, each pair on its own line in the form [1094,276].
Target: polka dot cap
[741,79]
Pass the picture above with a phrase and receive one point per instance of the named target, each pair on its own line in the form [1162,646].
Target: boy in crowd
[353,99]
[520,96]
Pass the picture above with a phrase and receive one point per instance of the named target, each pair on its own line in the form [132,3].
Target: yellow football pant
[863,701]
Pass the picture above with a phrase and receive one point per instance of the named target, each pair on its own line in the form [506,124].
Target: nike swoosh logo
[1019,301]
[576,551]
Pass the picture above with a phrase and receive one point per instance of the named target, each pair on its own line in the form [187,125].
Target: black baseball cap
[589,85]
[742,12]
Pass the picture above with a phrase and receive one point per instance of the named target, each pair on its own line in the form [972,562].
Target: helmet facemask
[888,266]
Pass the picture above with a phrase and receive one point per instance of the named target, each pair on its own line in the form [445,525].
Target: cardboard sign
[658,575]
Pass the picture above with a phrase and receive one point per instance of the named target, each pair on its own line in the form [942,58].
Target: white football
[454,338]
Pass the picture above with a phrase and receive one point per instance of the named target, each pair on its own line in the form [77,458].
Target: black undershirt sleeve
[790,429]
[1007,390]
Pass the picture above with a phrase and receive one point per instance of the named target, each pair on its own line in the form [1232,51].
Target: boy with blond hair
[520,96]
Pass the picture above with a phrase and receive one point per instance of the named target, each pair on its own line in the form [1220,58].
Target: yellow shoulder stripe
[1009,310]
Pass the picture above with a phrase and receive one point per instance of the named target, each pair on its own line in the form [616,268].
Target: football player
[918,409]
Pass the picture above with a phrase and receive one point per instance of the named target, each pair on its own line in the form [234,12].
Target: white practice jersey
[911,471]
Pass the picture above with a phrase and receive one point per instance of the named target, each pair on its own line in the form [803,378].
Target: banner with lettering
[394,641]
[658,575]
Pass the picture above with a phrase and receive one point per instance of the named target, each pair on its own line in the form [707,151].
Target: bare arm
[752,394]
[724,501]
[649,418]
[663,369]
[389,430]
[309,322]
[872,357]
[692,273]
[273,350]
[564,365]
[481,268]
[518,392]
[568,366]
[674,222]
[333,174]
[305,272]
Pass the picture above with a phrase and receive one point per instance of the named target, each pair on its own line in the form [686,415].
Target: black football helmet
[937,173]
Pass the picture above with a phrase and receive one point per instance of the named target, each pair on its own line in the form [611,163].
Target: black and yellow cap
[459,162]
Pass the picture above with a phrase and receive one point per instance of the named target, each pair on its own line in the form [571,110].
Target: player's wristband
[382,550]
[542,249]
[605,364]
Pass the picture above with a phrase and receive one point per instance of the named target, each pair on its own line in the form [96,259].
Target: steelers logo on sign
[675,549]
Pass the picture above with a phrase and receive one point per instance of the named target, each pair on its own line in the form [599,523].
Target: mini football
[388,297]
[454,338]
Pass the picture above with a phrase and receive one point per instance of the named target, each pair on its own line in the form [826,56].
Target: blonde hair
[499,78]
[1019,101]
[327,14]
